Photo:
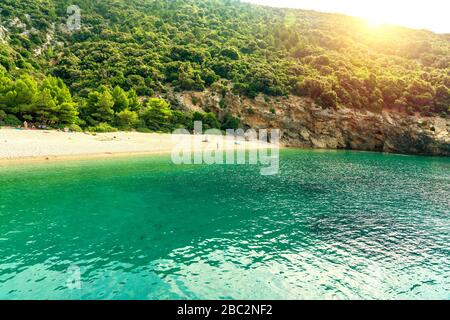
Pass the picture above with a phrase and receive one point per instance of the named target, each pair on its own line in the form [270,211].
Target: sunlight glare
[432,14]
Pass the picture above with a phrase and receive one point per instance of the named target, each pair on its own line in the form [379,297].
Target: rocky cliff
[304,124]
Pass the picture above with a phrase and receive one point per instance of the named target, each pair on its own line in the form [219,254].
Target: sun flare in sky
[419,14]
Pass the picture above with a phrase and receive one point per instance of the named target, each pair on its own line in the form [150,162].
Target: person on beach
[25,125]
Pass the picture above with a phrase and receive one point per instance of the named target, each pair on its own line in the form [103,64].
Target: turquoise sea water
[331,225]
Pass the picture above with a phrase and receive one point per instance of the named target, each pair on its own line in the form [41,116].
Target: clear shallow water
[331,225]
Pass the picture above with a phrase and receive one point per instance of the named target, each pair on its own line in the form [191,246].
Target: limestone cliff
[304,124]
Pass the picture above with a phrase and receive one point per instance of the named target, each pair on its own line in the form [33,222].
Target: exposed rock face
[3,35]
[304,124]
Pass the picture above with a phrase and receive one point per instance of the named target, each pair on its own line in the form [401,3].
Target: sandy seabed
[43,145]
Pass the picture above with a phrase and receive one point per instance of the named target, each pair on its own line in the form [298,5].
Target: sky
[433,15]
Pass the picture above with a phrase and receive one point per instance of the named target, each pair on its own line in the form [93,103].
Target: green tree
[156,115]
[45,108]
[120,98]
[126,119]
[133,101]
[230,122]
[26,90]
[67,113]
[100,104]
[210,121]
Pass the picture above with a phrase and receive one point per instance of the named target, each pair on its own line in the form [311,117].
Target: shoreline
[41,146]
[76,157]
[18,146]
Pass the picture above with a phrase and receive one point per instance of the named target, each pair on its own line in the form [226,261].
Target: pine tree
[120,97]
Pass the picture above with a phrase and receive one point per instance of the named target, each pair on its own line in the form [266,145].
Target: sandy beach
[44,145]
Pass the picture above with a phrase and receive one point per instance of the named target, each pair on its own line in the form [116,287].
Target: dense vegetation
[128,54]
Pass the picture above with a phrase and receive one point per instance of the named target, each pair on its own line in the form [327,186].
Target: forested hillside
[113,71]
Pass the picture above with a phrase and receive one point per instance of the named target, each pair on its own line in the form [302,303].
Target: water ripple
[332,225]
